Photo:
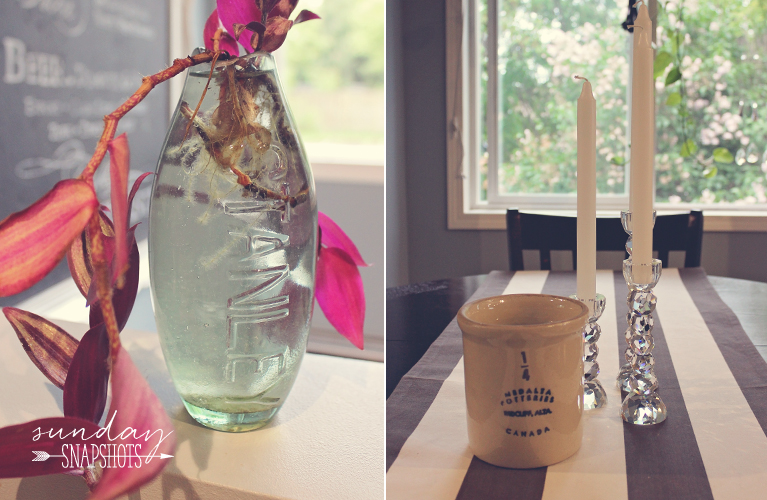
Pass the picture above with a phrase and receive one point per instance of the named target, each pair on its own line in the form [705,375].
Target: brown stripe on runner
[662,461]
[487,482]
[416,391]
[744,361]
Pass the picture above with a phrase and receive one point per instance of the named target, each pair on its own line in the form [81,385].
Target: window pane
[333,73]
[541,45]
[722,61]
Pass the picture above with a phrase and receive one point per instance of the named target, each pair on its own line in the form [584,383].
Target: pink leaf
[276,30]
[119,166]
[283,8]
[211,25]
[233,12]
[85,391]
[34,240]
[135,406]
[225,42]
[334,237]
[340,293]
[305,15]
[228,43]
[49,347]
[23,443]
[122,298]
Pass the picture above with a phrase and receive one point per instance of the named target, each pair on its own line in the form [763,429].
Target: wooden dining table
[711,355]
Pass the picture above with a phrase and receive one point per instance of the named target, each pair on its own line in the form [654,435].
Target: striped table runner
[712,379]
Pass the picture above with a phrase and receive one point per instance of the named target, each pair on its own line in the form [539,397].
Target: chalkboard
[64,64]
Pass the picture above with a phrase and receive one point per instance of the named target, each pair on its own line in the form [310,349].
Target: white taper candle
[642,146]
[587,194]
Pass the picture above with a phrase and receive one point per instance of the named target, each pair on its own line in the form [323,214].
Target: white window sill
[718,221]
[340,173]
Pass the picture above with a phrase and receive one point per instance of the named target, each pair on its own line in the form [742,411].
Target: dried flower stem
[216,53]
[242,178]
[103,286]
[101,267]
[147,84]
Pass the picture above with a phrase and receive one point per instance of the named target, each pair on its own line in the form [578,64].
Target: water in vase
[232,265]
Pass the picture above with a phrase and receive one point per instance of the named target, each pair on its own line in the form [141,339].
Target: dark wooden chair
[525,231]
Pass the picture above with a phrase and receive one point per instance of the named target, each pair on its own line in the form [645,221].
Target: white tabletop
[327,441]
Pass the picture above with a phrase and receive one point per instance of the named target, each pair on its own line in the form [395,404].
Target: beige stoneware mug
[523,363]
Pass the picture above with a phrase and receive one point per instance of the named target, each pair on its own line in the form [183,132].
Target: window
[333,74]
[512,105]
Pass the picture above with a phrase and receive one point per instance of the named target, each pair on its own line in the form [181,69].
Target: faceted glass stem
[642,405]
[594,395]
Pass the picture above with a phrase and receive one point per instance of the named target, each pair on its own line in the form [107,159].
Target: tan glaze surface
[513,343]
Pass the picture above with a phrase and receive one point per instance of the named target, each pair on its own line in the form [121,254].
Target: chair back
[526,231]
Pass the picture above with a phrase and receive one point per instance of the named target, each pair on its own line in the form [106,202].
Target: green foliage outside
[705,65]
[541,45]
[711,56]
[334,72]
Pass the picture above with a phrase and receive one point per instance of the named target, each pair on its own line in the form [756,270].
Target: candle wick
[579,77]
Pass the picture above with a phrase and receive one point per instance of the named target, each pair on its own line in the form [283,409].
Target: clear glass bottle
[233,245]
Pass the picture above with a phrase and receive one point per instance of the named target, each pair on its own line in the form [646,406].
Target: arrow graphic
[41,456]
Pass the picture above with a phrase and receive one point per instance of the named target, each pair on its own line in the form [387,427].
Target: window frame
[462,127]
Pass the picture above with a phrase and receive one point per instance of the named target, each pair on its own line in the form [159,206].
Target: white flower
[759,190]
[707,196]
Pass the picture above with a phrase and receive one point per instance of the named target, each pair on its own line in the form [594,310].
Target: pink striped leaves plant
[31,244]
[258,25]
[338,286]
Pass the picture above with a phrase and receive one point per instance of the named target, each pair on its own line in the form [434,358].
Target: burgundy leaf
[78,256]
[119,166]
[85,391]
[283,8]
[27,449]
[334,237]
[305,15]
[122,298]
[238,29]
[134,190]
[49,347]
[340,294]
[34,240]
[134,405]
[256,27]
[79,264]
[225,42]
[233,12]
[276,30]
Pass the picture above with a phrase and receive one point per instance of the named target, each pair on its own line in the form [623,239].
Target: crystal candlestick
[642,405]
[622,380]
[594,395]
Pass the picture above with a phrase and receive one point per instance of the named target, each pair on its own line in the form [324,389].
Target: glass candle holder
[594,395]
[642,405]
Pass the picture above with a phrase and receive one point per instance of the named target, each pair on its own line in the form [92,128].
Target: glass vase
[233,244]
